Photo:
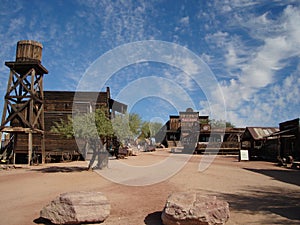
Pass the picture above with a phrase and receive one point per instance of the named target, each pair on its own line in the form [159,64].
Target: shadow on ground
[279,201]
[64,169]
[288,176]
[48,222]
[153,219]
[42,221]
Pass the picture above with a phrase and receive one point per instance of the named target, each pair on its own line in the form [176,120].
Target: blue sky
[251,47]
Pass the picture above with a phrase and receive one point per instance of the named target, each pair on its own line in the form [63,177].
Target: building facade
[289,136]
[260,142]
[190,127]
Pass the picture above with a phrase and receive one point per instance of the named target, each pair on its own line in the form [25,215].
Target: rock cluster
[192,208]
[77,208]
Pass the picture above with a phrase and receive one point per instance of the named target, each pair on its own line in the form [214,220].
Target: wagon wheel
[66,157]
[48,157]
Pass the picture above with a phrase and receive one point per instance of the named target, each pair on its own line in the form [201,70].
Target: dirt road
[258,192]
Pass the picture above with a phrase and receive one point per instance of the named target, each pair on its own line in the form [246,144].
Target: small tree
[126,126]
[145,130]
[220,123]
[155,128]
[135,123]
[149,129]
[95,128]
[64,128]
[121,127]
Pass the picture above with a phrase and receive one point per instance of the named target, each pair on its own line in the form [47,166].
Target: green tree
[220,123]
[155,128]
[64,128]
[121,127]
[229,124]
[95,128]
[135,123]
[126,126]
[149,129]
[145,130]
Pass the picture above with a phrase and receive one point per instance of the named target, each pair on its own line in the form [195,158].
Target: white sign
[244,155]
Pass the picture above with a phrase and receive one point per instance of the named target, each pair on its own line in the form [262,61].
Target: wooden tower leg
[29,147]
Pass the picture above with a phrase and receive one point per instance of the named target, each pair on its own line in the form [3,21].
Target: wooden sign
[244,155]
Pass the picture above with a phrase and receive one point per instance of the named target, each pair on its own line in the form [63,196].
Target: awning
[279,133]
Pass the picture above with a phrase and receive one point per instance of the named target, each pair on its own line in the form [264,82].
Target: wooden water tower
[23,112]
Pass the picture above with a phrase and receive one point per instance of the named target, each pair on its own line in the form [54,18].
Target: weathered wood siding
[174,123]
[58,106]
[21,142]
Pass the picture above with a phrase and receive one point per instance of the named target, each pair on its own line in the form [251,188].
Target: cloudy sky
[248,49]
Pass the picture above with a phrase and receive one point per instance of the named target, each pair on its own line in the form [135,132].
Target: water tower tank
[28,51]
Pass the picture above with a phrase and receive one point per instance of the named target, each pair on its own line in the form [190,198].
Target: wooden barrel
[28,50]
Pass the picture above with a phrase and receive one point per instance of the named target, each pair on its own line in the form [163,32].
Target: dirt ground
[258,192]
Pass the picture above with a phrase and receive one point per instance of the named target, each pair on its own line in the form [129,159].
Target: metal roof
[259,133]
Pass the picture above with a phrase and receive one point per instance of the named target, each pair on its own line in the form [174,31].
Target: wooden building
[260,142]
[208,140]
[30,112]
[171,134]
[215,140]
[59,105]
[289,136]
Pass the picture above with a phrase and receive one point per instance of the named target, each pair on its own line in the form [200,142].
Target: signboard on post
[244,155]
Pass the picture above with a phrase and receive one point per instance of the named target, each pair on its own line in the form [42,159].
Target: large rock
[192,208]
[77,208]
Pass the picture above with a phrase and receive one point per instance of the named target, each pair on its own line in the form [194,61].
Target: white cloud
[184,21]
[206,58]
[250,94]
[9,7]
[183,79]
[226,8]
[260,70]
[242,3]
[278,102]
[219,38]
[231,56]
[230,53]
[124,21]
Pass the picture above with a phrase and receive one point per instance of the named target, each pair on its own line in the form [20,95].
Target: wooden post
[31,111]
[14,159]
[42,116]
[3,122]
[29,146]
[43,148]
[0,140]
[222,137]
[239,145]
[279,147]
